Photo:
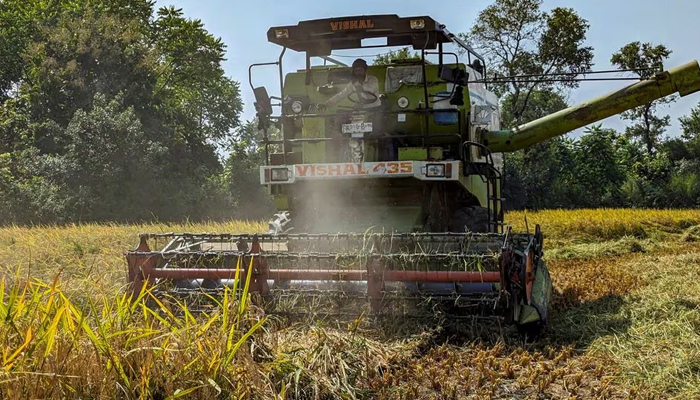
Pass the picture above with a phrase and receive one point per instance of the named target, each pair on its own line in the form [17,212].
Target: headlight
[417,23]
[296,107]
[435,170]
[403,102]
[281,33]
[280,174]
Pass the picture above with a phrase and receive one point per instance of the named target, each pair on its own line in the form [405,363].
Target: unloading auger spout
[684,80]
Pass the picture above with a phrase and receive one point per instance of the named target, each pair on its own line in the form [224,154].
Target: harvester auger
[396,194]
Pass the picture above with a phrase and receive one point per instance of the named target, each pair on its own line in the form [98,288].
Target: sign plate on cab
[358,127]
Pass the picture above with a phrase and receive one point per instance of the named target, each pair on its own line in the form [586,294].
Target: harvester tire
[532,330]
[470,219]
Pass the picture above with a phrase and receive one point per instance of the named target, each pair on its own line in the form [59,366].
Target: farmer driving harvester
[366,85]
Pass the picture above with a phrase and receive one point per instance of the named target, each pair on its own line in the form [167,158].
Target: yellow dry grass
[605,224]
[625,325]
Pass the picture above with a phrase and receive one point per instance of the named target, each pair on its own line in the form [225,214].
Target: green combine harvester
[388,181]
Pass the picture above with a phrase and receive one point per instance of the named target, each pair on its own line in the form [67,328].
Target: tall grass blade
[180,393]
[244,297]
[8,363]
[243,339]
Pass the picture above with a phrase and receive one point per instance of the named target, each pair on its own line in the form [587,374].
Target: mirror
[454,75]
[262,102]
[478,67]
[457,98]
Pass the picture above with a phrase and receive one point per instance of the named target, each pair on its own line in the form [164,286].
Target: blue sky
[243,27]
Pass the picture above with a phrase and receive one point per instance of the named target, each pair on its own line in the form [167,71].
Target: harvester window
[339,76]
[368,93]
[402,75]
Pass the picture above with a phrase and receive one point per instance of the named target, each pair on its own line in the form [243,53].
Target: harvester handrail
[426,138]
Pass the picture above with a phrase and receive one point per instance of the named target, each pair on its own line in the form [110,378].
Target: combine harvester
[411,176]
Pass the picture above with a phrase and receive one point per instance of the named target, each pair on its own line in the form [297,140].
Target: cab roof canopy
[321,36]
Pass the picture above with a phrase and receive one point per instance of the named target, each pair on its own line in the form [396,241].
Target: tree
[111,163]
[401,54]
[517,38]
[192,80]
[599,172]
[536,177]
[646,60]
[20,21]
[78,56]
[113,113]
[541,104]
[241,176]
[690,124]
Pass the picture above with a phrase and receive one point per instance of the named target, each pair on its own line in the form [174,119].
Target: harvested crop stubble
[661,347]
[481,371]
[580,280]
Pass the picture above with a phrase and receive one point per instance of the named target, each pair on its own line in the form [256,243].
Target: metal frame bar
[327,275]
[426,137]
[281,98]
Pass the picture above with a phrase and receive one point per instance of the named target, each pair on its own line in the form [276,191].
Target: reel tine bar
[376,259]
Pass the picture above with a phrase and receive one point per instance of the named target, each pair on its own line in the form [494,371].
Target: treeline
[113,110]
[605,168]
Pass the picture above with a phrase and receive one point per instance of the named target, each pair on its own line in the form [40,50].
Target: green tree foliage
[602,167]
[22,20]
[529,173]
[112,111]
[111,161]
[685,179]
[401,54]
[646,60]
[77,57]
[599,171]
[517,38]
[690,126]
[191,79]
[541,104]
[241,177]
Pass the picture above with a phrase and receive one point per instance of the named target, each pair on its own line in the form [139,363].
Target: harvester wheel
[470,219]
[532,330]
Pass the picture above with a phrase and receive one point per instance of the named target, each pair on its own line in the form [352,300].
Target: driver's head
[359,69]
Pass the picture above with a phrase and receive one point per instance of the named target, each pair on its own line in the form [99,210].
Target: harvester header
[387,180]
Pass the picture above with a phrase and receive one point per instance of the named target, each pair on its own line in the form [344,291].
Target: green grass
[625,323]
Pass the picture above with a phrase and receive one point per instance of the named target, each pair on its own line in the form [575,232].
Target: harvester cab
[387,180]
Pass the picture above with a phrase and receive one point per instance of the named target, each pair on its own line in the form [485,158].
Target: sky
[243,26]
